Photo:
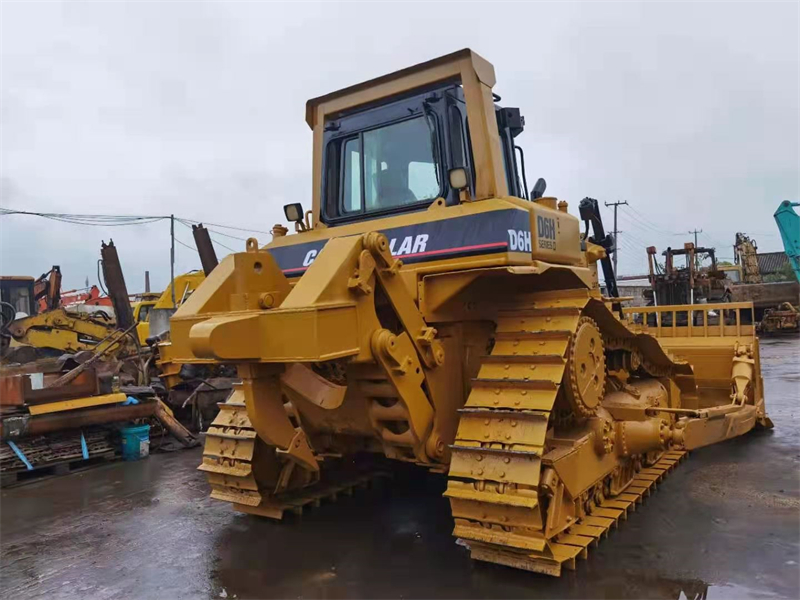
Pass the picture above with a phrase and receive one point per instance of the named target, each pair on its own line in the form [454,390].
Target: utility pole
[616,232]
[172,258]
[696,261]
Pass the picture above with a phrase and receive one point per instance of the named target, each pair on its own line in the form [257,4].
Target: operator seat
[392,190]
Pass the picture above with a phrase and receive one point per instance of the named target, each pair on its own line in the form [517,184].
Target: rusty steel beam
[171,424]
[115,282]
[85,384]
[26,425]
[208,257]
[14,427]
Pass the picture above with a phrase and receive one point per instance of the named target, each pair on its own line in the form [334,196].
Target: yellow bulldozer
[429,309]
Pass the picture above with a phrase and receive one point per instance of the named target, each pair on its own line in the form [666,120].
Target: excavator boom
[789,225]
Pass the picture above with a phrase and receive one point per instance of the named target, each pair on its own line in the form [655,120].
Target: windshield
[390,166]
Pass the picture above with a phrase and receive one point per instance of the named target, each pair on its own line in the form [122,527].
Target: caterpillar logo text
[547,232]
[310,256]
[410,245]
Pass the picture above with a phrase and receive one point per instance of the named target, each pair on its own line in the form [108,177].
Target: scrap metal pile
[70,374]
[769,297]
[54,411]
[688,284]
[779,321]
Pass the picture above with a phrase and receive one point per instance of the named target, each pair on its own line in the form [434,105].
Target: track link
[242,470]
[229,454]
[312,497]
[587,532]
[496,462]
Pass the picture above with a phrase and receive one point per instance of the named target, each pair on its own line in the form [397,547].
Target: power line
[82,215]
[193,249]
[234,237]
[206,224]
[634,238]
[186,223]
[89,219]
[630,246]
[218,243]
[634,220]
[185,244]
[645,227]
[633,260]
[100,220]
[716,243]
[648,223]
[237,228]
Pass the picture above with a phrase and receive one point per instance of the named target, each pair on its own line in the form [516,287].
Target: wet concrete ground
[725,524]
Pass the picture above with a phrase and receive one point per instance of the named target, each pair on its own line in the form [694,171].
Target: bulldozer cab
[398,156]
[400,142]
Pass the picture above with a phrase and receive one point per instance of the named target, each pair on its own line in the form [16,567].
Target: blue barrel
[135,442]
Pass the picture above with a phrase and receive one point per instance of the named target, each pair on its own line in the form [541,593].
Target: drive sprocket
[585,376]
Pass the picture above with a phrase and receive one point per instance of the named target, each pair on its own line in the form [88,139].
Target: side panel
[492,232]
[555,235]
[512,230]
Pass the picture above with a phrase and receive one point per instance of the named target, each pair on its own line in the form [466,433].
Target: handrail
[694,320]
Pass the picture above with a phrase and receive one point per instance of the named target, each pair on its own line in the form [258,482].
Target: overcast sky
[689,112]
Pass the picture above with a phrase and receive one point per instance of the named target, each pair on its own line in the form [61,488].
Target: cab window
[351,194]
[20,298]
[144,312]
[390,167]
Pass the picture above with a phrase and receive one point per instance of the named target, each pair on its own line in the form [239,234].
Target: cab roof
[441,69]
